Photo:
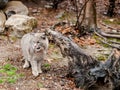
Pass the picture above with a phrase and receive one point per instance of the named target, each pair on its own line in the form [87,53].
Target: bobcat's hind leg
[26,64]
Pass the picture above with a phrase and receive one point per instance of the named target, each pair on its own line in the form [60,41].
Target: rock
[34,11]
[20,24]
[2,21]
[3,3]
[111,20]
[60,15]
[62,83]
[17,6]
[114,31]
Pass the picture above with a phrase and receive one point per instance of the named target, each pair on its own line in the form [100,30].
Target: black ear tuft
[43,37]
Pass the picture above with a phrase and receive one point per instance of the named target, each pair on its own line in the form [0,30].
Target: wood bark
[111,7]
[90,15]
[86,17]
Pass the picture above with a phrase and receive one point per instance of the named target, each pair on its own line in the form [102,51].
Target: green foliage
[9,74]
[1,80]
[11,79]
[40,85]
[47,65]
[9,67]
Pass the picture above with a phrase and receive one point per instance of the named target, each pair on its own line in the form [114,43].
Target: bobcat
[34,48]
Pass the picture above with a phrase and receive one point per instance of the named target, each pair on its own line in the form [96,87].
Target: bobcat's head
[39,42]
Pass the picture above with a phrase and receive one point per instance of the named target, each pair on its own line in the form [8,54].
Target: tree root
[108,35]
[111,43]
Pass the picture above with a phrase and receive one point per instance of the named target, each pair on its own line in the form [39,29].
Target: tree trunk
[111,7]
[88,21]
[90,15]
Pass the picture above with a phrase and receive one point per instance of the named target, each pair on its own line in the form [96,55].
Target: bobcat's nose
[38,47]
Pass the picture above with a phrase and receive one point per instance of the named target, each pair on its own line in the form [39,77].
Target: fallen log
[88,73]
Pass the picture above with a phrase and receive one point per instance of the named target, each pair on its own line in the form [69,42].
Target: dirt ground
[52,78]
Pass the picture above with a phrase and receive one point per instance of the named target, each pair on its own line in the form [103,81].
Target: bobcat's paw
[26,66]
[35,73]
[40,71]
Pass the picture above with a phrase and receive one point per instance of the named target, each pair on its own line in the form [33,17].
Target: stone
[34,11]
[20,24]
[2,21]
[17,6]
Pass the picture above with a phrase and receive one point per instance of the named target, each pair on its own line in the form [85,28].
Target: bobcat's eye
[43,37]
[38,42]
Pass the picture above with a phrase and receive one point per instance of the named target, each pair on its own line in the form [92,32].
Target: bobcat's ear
[33,34]
[43,36]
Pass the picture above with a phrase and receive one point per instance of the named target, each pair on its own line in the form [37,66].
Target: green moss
[99,42]
[12,79]
[46,66]
[118,40]
[51,45]
[96,38]
[105,45]
[107,21]
[101,57]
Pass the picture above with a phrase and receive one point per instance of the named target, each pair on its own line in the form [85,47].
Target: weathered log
[88,73]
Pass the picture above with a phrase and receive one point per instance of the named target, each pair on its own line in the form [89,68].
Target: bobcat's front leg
[34,68]
[39,67]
